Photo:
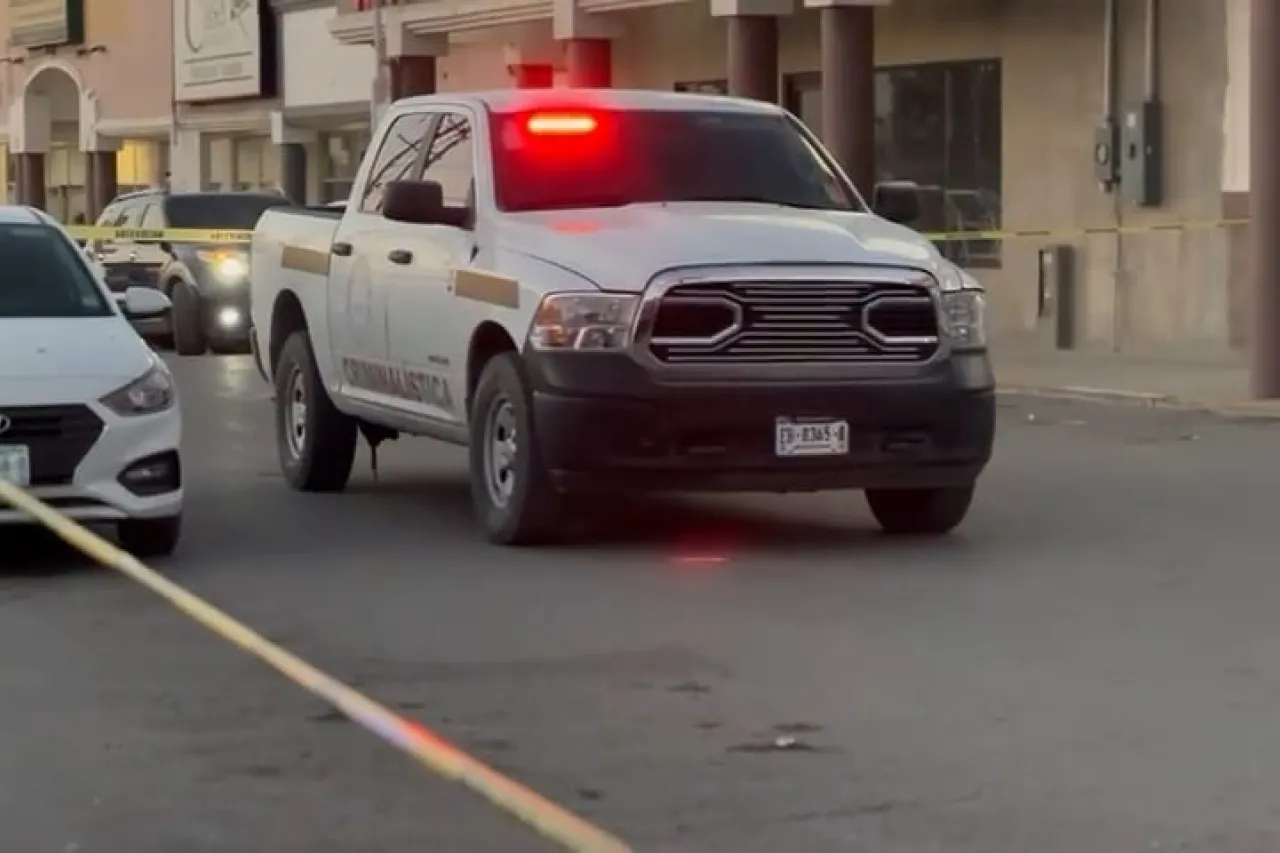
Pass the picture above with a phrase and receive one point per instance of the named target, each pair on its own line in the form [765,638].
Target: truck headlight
[226,266]
[583,322]
[964,308]
[150,393]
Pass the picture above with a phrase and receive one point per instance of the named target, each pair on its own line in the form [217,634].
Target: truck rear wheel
[920,512]
[512,493]
[316,442]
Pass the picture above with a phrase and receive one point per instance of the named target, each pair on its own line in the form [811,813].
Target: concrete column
[1264,196]
[102,172]
[589,62]
[29,183]
[753,57]
[848,87]
[293,171]
[533,76]
[412,75]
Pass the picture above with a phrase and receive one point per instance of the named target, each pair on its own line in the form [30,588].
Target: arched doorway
[60,163]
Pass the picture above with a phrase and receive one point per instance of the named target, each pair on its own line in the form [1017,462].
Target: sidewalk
[1217,383]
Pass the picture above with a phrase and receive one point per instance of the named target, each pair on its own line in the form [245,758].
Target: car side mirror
[416,202]
[897,201]
[166,247]
[143,303]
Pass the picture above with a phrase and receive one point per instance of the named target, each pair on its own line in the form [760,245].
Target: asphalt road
[1090,666]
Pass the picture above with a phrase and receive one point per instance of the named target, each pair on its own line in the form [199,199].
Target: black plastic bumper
[603,424]
[212,305]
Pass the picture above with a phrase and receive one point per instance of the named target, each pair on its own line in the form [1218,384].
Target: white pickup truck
[603,290]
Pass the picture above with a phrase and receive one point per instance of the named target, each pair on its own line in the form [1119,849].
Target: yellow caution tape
[168,235]
[202,235]
[554,822]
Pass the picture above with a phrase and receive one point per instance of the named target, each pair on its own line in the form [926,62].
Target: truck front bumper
[603,425]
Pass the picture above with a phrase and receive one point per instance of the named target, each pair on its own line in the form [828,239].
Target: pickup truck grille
[58,437]
[797,322]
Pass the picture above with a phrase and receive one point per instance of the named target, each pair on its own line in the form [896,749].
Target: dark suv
[208,283]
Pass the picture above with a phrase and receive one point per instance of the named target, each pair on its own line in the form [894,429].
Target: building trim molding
[425,19]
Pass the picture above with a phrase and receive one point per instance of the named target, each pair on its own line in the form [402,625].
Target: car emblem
[5,423]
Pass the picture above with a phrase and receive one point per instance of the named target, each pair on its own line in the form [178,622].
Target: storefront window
[66,198]
[938,124]
[341,153]
[241,163]
[141,164]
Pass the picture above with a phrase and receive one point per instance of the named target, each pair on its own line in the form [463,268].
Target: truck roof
[506,100]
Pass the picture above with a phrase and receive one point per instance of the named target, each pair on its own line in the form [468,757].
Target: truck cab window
[451,160]
[398,158]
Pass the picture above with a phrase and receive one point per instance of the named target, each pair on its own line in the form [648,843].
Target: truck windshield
[225,211]
[575,159]
[45,277]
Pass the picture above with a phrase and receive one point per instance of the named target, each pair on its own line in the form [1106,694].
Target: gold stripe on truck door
[487,287]
[302,259]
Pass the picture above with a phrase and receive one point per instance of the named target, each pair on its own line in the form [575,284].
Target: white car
[89,416]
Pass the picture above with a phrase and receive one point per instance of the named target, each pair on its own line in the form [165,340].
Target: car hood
[65,360]
[622,248]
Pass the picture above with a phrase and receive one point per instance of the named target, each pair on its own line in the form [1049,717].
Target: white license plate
[15,464]
[812,438]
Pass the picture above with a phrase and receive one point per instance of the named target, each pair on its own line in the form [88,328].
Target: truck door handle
[342,249]
[400,256]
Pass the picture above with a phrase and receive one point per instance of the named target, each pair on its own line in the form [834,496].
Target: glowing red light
[561,124]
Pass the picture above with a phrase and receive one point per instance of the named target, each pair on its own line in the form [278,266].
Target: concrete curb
[1252,410]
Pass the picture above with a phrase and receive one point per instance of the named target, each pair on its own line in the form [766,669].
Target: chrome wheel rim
[295,414]
[500,449]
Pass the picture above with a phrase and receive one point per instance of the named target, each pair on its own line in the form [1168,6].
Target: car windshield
[46,276]
[611,158]
[230,211]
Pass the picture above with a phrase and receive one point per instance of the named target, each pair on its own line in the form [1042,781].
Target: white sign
[217,50]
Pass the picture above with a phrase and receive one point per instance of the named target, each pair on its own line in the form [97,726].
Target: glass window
[229,211]
[398,158]
[939,125]
[131,214]
[451,160]
[46,276]
[704,87]
[110,214]
[341,153]
[153,217]
[637,156]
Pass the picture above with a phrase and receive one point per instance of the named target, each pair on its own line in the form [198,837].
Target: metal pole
[381,81]
[1264,195]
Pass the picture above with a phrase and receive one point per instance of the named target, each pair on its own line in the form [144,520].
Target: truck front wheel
[316,442]
[513,496]
[920,512]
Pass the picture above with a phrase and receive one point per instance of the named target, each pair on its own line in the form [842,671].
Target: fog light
[230,318]
[154,475]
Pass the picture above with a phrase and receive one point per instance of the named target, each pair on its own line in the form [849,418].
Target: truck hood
[622,248]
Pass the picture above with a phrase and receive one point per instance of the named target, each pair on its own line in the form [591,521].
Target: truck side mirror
[416,202]
[897,201]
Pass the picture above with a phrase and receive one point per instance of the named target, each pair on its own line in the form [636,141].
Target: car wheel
[150,537]
[316,442]
[188,329]
[920,512]
[512,493]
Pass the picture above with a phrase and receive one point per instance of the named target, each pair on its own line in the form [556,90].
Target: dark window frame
[969,253]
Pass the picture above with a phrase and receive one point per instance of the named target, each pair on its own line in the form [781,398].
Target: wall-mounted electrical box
[1106,155]
[1142,154]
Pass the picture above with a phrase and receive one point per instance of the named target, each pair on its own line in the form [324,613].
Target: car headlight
[150,393]
[578,322]
[964,308]
[227,266]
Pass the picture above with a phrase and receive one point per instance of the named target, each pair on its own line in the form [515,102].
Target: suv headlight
[150,393]
[227,266]
[583,322]
[964,308]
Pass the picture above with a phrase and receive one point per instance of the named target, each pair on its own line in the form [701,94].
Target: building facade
[994,107]
[87,101]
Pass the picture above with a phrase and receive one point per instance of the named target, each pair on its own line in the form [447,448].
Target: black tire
[320,459]
[534,511]
[920,512]
[146,538]
[188,327]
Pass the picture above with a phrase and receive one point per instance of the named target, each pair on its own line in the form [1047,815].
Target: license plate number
[811,438]
[15,464]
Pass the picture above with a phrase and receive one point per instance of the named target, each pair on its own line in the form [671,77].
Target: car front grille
[58,438]
[794,322]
